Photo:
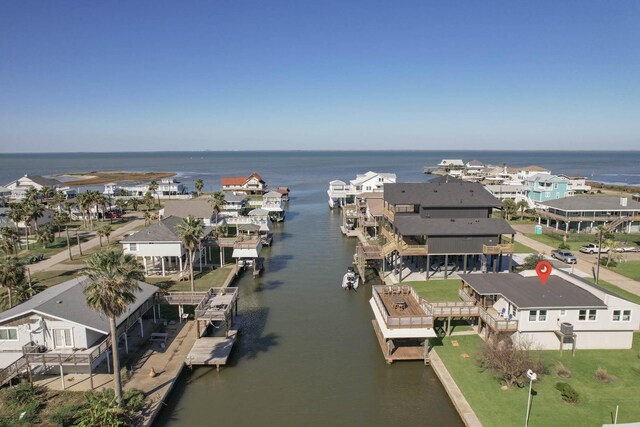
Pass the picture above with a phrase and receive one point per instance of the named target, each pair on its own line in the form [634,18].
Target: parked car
[112,215]
[564,256]
[440,266]
[627,247]
[593,248]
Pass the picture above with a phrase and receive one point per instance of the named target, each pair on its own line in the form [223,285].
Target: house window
[587,315]
[547,194]
[9,334]
[62,338]
[537,315]
[621,315]
[133,247]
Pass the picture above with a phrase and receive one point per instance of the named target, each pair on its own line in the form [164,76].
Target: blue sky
[195,75]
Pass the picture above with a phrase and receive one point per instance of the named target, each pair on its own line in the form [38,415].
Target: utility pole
[600,235]
[68,244]
[78,240]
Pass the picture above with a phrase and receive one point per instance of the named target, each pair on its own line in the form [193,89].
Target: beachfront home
[529,171]
[19,187]
[161,249]
[544,187]
[450,164]
[252,184]
[56,329]
[576,184]
[566,312]
[585,213]
[167,187]
[439,227]
[341,193]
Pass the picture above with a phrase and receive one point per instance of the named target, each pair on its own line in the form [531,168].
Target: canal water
[307,354]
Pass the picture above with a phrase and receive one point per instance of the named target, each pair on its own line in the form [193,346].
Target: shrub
[531,261]
[22,394]
[133,399]
[102,410]
[604,261]
[568,393]
[564,246]
[562,370]
[602,375]
[29,413]
[66,415]
[507,361]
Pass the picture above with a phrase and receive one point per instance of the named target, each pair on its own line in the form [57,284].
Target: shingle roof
[199,208]
[543,177]
[67,301]
[163,231]
[43,181]
[591,203]
[231,198]
[529,293]
[533,168]
[415,225]
[440,194]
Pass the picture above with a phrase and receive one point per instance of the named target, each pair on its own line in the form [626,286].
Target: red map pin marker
[544,269]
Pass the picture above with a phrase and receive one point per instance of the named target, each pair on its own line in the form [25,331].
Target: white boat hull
[350,281]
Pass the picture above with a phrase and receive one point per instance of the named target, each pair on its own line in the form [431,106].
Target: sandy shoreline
[103,177]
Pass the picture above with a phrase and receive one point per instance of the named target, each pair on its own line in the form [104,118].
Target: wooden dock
[211,351]
[393,352]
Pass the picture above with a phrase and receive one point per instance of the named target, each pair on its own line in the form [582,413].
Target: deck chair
[405,290]
[387,290]
[395,289]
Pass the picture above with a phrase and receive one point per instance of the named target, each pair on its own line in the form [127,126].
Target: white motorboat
[351,279]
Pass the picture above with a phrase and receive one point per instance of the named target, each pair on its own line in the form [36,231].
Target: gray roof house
[564,310]
[444,221]
[198,208]
[58,321]
[585,213]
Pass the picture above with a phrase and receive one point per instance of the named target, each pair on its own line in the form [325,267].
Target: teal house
[544,187]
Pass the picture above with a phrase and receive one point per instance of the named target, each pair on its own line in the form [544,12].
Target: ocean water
[304,168]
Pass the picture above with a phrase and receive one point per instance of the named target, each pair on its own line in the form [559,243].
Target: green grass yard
[497,407]
[202,282]
[519,248]
[59,245]
[438,290]
[630,269]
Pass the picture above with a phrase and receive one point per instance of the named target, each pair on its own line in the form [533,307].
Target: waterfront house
[273,202]
[19,187]
[529,171]
[235,204]
[449,164]
[252,184]
[161,249]
[341,193]
[507,192]
[567,311]
[544,187]
[585,213]
[5,193]
[56,329]
[576,184]
[167,188]
[439,227]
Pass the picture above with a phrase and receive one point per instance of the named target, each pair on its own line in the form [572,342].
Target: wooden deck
[211,351]
[412,308]
[401,349]
[403,310]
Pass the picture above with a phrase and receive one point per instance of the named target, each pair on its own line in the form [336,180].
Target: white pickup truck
[593,248]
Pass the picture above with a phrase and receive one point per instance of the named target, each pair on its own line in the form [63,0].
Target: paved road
[585,261]
[53,263]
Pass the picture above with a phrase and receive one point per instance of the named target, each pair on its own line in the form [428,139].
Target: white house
[234,204]
[58,321]
[565,311]
[273,203]
[576,184]
[341,193]
[160,247]
[451,164]
[528,171]
[252,184]
[167,187]
[507,192]
[19,187]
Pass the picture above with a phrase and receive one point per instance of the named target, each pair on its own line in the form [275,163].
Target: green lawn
[50,278]
[59,245]
[438,290]
[575,240]
[497,407]
[519,248]
[616,290]
[202,282]
[630,269]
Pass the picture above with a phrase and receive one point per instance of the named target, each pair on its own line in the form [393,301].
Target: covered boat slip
[402,323]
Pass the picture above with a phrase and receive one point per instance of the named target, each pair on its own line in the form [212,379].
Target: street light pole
[600,235]
[532,377]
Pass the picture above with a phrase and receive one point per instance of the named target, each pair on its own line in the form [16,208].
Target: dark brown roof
[530,293]
[440,194]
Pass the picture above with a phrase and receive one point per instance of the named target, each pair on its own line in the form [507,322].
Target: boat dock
[211,351]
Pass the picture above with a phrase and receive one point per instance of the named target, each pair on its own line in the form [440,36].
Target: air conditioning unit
[566,328]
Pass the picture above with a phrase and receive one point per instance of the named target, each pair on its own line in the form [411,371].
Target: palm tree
[199,184]
[59,198]
[11,274]
[217,201]
[47,192]
[153,187]
[135,202]
[16,213]
[147,218]
[101,202]
[112,289]
[84,202]
[121,205]
[191,230]
[60,218]
[30,194]
[149,200]
[35,211]
[24,290]
[104,231]
[522,205]
[45,236]
[508,209]
[8,240]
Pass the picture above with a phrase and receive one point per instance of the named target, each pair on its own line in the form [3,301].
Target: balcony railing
[498,324]
[394,322]
[505,248]
[389,214]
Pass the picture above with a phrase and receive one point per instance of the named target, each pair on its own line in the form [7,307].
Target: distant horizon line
[325,151]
